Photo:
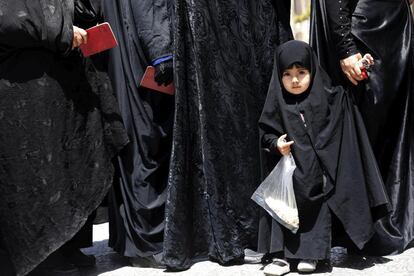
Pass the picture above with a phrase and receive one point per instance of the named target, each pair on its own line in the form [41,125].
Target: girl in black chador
[336,179]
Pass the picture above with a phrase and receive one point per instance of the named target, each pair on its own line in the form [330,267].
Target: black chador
[223,64]
[383,29]
[60,128]
[137,201]
[330,143]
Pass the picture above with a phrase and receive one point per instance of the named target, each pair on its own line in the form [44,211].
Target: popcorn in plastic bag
[277,196]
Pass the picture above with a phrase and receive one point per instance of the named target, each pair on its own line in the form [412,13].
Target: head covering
[295,52]
[288,54]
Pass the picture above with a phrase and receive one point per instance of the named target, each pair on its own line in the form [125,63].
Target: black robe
[223,61]
[137,201]
[59,129]
[385,30]
[329,142]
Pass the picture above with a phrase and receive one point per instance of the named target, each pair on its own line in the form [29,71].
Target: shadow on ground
[106,259]
[340,258]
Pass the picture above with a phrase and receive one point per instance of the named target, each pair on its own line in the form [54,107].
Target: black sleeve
[29,24]
[268,137]
[153,23]
[88,13]
[339,13]
[269,144]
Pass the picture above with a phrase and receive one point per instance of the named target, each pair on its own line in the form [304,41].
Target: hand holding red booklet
[148,81]
[100,38]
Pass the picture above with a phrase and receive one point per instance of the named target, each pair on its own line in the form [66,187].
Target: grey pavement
[110,263]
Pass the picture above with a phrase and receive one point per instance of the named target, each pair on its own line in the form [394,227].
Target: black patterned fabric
[59,129]
[223,63]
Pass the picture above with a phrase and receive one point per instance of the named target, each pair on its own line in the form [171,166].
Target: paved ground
[110,263]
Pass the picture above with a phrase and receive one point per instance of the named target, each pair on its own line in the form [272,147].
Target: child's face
[296,80]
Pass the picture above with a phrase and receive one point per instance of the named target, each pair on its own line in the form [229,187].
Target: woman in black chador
[223,61]
[336,179]
[137,202]
[343,31]
[59,129]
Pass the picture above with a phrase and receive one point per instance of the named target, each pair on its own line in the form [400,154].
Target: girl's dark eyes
[302,72]
[285,74]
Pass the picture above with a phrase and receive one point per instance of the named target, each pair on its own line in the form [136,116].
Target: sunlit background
[300,19]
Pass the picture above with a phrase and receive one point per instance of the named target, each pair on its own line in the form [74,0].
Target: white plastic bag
[277,196]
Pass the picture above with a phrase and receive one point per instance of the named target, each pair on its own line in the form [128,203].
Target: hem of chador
[359,245]
[52,249]
[281,254]
[193,261]
[129,255]
[319,258]
[130,250]
[188,265]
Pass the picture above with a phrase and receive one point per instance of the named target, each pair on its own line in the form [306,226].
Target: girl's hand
[283,146]
[80,36]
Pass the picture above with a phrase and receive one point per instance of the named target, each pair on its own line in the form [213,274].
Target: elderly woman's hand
[80,36]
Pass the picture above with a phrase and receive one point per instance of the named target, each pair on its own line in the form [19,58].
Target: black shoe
[76,257]
[55,265]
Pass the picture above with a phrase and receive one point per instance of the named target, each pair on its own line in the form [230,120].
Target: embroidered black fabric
[59,129]
[223,63]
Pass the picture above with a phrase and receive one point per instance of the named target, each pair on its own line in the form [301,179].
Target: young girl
[336,178]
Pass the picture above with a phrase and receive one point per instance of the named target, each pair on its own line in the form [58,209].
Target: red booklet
[100,38]
[148,81]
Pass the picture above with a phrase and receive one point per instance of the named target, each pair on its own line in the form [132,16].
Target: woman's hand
[80,36]
[283,146]
[351,68]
